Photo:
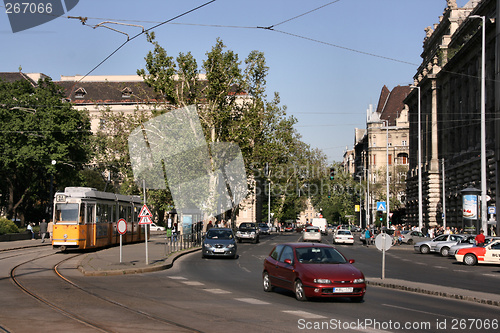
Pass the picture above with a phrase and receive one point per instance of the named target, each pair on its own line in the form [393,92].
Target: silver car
[219,242]
[411,237]
[430,245]
[454,249]
[444,247]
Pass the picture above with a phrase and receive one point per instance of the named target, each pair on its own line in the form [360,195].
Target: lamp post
[484,210]
[387,175]
[419,167]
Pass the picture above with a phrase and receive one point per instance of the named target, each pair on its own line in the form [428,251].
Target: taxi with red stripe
[488,254]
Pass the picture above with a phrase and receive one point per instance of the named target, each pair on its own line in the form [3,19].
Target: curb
[169,262]
[422,290]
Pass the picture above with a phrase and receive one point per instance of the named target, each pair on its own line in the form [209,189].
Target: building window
[80,93]
[403,143]
[126,92]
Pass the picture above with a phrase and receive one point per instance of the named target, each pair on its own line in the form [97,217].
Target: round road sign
[121,226]
[383,242]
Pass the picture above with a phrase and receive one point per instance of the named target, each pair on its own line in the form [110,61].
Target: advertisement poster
[470,206]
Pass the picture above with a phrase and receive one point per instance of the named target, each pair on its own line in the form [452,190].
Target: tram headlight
[65,236]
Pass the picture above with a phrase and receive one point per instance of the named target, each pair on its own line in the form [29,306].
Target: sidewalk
[106,262]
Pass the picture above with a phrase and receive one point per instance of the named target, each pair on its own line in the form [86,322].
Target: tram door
[90,220]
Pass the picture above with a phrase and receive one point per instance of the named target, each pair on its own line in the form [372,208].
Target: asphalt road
[225,295]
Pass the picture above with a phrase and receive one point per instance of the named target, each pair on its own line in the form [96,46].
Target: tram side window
[90,213]
[66,212]
[123,212]
[129,213]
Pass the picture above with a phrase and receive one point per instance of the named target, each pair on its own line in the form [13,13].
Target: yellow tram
[85,218]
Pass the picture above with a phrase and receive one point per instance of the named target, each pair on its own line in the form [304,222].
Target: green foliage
[259,126]
[7,226]
[36,128]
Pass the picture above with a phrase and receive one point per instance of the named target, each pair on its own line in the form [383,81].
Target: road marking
[303,314]
[193,283]
[217,291]
[440,267]
[252,301]
[492,275]
[414,310]
[177,278]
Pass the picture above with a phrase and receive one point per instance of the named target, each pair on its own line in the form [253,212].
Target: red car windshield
[319,255]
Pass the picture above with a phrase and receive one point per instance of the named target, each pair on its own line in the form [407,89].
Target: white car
[154,227]
[488,254]
[343,236]
[311,234]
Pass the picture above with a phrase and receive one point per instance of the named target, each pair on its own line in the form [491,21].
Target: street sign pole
[145,226]
[121,227]
[383,242]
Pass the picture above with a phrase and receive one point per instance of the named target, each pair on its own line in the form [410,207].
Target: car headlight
[358,281]
[230,246]
[207,245]
[238,233]
[322,281]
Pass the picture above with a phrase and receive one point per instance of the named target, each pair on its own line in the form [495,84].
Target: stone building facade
[450,102]
[383,144]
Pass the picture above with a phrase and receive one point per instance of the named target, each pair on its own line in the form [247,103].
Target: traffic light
[380,216]
[332,173]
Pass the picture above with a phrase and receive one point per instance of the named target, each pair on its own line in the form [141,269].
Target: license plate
[343,290]
[218,251]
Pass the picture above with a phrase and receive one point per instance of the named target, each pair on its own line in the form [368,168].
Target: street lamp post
[484,210]
[419,167]
[387,174]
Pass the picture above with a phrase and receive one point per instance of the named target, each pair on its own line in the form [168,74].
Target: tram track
[81,319]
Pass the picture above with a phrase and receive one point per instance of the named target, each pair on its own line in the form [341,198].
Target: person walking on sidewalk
[50,228]
[43,230]
[30,229]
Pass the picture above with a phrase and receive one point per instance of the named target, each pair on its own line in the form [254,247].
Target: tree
[44,144]
[233,107]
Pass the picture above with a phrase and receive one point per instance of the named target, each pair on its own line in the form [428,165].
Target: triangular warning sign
[145,212]
[145,220]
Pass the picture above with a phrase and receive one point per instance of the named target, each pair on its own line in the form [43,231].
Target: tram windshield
[66,212]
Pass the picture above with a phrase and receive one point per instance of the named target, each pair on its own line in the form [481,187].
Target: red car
[312,270]
[488,254]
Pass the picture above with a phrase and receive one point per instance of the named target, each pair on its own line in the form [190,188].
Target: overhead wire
[143,32]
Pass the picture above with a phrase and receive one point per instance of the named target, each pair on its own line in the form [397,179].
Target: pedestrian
[368,236]
[50,229]
[43,230]
[30,229]
[209,225]
[480,238]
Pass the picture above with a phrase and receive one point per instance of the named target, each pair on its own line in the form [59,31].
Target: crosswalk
[246,300]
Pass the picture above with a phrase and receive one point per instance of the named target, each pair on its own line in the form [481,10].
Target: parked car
[430,245]
[343,236]
[219,242]
[264,229]
[154,227]
[311,234]
[411,237]
[248,231]
[312,270]
[454,249]
[487,254]
[444,247]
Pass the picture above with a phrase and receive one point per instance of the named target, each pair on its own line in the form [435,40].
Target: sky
[328,65]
